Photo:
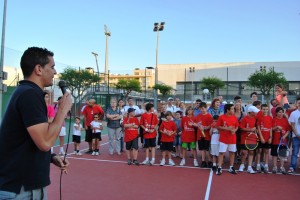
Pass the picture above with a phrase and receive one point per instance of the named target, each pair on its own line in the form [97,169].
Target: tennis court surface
[109,177]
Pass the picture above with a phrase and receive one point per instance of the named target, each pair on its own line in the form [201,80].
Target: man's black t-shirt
[21,162]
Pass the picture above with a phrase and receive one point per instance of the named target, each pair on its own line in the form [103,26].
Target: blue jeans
[295,151]
[40,194]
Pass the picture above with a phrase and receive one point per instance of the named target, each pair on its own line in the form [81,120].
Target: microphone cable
[65,155]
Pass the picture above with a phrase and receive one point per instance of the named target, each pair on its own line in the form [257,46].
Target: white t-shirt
[75,131]
[295,118]
[96,126]
[137,109]
[172,108]
[215,136]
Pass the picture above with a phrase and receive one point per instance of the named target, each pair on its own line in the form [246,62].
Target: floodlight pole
[96,57]
[107,35]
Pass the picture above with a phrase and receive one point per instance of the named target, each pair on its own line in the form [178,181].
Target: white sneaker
[171,162]
[250,170]
[162,162]
[94,153]
[242,167]
[62,152]
[152,162]
[196,163]
[75,152]
[79,154]
[182,163]
[97,153]
[145,162]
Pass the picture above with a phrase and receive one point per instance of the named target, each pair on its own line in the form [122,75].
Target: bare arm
[44,135]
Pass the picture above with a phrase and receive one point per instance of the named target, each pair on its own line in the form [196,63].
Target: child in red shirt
[168,129]
[264,127]
[148,123]
[131,125]
[204,121]
[281,128]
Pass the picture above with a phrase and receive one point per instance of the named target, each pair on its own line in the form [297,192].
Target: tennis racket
[251,141]
[283,150]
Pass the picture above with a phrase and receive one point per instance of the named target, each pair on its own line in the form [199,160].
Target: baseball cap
[130,110]
[170,98]
[253,109]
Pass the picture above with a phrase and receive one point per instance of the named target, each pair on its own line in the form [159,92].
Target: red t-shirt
[283,122]
[205,121]
[149,121]
[246,122]
[188,130]
[227,120]
[131,133]
[265,124]
[89,113]
[169,126]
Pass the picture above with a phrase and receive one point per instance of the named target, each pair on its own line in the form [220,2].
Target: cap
[130,110]
[253,109]
[170,98]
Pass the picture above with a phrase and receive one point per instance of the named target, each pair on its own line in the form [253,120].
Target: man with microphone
[25,135]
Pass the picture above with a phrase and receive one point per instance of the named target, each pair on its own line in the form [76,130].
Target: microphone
[63,86]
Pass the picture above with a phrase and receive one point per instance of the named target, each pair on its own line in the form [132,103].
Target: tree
[163,89]
[128,85]
[212,83]
[265,80]
[78,81]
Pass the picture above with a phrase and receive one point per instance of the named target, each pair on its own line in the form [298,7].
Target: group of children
[213,135]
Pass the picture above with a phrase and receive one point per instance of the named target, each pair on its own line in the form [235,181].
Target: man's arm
[44,135]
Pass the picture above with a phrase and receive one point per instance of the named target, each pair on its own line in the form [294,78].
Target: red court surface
[109,177]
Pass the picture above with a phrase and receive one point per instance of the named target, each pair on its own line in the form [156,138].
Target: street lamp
[107,33]
[157,28]
[192,70]
[96,57]
[205,93]
[146,80]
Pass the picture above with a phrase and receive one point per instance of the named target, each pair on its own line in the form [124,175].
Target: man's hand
[61,163]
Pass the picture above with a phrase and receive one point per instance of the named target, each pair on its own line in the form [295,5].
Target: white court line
[82,140]
[208,185]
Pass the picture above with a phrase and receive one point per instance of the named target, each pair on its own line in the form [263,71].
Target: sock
[266,165]
[51,149]
[258,165]
[153,158]
[61,149]
[230,166]
[214,164]
[147,158]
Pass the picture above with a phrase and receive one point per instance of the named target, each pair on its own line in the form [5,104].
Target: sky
[196,31]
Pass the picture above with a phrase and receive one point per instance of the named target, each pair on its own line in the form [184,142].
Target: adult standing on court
[121,108]
[294,119]
[253,97]
[25,134]
[88,114]
[137,111]
[114,115]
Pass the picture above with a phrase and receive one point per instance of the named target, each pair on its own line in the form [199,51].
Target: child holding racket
[148,123]
[203,121]
[227,125]
[131,125]
[264,128]
[168,129]
[188,136]
[249,138]
[281,129]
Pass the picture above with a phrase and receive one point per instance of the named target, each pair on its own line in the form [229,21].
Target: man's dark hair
[253,94]
[227,107]
[34,56]
[255,103]
[237,98]
[202,105]
[198,100]
[264,105]
[149,106]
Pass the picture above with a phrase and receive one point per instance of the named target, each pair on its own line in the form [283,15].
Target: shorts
[223,147]
[88,134]
[166,146]
[203,144]
[77,138]
[133,144]
[97,136]
[62,131]
[177,141]
[150,142]
[214,149]
[274,148]
[192,145]
[264,146]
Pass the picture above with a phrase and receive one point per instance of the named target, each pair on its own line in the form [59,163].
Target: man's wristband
[52,155]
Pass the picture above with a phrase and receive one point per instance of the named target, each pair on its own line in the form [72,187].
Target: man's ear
[38,70]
